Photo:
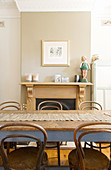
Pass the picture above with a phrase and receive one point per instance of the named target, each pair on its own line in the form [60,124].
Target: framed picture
[55,53]
[57,78]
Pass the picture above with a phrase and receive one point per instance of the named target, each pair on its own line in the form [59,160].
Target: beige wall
[73,26]
[10,72]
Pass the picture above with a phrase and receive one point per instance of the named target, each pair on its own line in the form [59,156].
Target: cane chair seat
[25,158]
[94,160]
[89,158]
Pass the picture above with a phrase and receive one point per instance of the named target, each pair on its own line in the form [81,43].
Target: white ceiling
[56,5]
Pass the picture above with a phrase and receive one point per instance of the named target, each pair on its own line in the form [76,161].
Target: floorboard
[52,157]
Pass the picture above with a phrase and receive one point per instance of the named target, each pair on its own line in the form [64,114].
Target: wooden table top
[54,125]
[56,130]
[56,111]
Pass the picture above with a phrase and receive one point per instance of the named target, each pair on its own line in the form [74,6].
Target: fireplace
[68,104]
[71,92]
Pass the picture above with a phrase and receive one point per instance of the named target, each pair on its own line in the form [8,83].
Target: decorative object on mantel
[65,79]
[106,22]
[36,77]
[55,53]
[77,78]
[57,78]
[95,57]
[84,66]
[29,77]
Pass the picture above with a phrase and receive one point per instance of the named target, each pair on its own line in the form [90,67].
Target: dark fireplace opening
[68,104]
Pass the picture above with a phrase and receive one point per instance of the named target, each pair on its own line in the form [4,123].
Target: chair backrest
[10,105]
[85,129]
[42,143]
[50,105]
[90,105]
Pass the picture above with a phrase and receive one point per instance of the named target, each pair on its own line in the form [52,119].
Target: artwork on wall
[55,53]
[57,78]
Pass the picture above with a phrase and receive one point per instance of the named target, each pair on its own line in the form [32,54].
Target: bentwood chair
[10,105]
[51,105]
[89,158]
[90,105]
[25,158]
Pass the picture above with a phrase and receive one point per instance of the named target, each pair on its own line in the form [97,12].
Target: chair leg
[58,152]
[84,144]
[100,146]
[110,152]
[109,166]
[110,158]
[15,145]
[8,147]
[91,144]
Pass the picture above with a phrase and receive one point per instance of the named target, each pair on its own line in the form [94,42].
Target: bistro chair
[10,105]
[89,158]
[51,105]
[25,158]
[90,105]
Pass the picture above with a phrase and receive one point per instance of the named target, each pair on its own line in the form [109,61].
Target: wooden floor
[52,158]
[52,155]
[106,151]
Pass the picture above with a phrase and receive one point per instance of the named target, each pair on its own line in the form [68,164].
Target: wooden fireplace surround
[71,90]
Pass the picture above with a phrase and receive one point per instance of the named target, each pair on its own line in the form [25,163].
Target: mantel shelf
[56,84]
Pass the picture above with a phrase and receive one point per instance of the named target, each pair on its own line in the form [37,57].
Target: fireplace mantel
[70,90]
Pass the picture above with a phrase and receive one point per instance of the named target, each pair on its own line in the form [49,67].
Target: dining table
[59,124]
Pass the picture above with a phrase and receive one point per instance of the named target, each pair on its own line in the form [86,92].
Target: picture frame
[55,53]
[58,78]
